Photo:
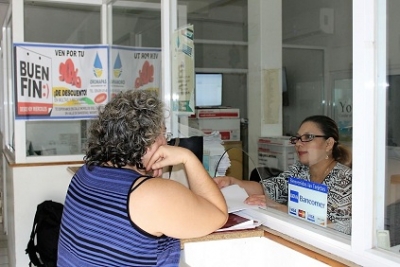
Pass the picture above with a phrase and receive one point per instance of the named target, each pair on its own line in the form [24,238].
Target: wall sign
[56,82]
[183,70]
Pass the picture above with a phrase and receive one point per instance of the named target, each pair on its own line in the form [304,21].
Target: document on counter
[235,197]
[238,222]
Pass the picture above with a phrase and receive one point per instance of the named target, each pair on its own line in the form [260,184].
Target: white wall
[324,54]
[339,42]
[254,251]
[26,188]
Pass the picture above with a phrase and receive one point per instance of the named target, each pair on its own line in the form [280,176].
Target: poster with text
[343,95]
[60,81]
[308,201]
[183,70]
[135,68]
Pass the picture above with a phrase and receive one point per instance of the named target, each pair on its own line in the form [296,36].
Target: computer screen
[208,89]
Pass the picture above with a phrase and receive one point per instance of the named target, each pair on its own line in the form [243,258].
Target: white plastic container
[276,152]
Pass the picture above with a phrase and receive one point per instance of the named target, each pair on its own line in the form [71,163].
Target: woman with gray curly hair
[115,212]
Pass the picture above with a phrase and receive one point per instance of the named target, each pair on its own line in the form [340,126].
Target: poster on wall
[135,68]
[344,108]
[183,70]
[60,81]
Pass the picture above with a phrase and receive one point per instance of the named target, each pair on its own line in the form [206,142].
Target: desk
[235,152]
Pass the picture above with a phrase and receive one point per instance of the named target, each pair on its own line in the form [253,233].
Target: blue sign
[308,201]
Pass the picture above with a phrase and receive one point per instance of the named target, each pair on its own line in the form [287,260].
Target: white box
[228,128]
[276,152]
[224,120]
[217,113]
[275,140]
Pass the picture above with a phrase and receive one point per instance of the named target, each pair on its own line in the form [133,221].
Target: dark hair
[124,129]
[329,127]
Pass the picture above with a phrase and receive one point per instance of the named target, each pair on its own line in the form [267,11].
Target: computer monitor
[208,91]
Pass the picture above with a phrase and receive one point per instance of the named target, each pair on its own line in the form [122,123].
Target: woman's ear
[330,142]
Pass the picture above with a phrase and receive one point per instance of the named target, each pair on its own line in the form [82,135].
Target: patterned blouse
[338,182]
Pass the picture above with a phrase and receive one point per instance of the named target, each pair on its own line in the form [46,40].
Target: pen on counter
[263,208]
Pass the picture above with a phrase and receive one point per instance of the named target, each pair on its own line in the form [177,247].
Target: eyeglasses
[304,138]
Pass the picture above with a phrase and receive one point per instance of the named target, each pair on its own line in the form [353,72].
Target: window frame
[369,162]
[369,101]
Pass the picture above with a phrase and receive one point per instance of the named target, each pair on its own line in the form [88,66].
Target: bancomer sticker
[308,201]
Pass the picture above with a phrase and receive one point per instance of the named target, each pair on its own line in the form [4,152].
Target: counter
[251,247]
[260,246]
[256,232]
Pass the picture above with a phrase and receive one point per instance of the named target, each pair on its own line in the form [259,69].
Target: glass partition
[388,237]
[135,55]
[342,105]
[221,46]
[316,46]
[136,24]
[305,92]
[61,23]
[70,24]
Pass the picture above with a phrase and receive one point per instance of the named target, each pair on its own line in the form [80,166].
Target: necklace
[320,178]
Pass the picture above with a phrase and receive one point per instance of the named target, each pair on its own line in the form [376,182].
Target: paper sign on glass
[308,201]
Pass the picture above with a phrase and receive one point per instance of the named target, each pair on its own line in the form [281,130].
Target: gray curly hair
[124,129]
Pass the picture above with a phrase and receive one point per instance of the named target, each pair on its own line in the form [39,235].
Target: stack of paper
[215,159]
[235,196]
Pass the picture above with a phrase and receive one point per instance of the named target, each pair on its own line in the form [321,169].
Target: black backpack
[45,231]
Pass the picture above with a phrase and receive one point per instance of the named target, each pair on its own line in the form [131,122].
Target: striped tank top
[96,229]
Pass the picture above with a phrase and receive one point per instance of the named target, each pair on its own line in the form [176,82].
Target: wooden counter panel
[256,232]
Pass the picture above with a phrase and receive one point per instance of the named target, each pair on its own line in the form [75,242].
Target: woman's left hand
[259,200]
[263,201]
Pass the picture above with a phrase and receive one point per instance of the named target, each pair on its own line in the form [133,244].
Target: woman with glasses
[321,159]
[118,210]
